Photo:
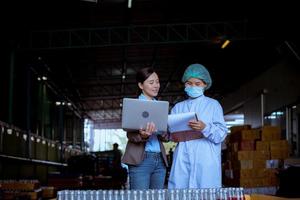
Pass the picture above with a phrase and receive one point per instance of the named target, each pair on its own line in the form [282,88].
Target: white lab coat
[197,163]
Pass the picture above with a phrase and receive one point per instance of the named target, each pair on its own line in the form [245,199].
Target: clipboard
[180,122]
[179,129]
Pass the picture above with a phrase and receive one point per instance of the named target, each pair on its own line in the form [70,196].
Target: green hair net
[197,71]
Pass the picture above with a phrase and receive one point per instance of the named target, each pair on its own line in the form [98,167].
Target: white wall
[282,83]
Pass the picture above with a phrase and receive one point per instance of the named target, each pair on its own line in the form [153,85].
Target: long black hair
[143,74]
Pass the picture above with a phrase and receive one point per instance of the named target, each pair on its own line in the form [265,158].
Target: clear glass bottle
[77,195]
[97,194]
[128,194]
[241,193]
[153,192]
[171,194]
[165,194]
[214,193]
[135,195]
[220,194]
[122,195]
[59,194]
[206,193]
[104,195]
[177,194]
[184,194]
[189,194]
[147,194]
[226,194]
[116,194]
[110,195]
[230,193]
[197,194]
[140,194]
[234,194]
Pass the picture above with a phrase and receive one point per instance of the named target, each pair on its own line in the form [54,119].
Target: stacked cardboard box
[254,155]
[48,192]
[22,189]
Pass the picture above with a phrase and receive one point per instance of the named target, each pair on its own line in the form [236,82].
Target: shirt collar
[143,97]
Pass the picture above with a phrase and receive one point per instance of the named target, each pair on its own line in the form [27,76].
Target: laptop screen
[136,113]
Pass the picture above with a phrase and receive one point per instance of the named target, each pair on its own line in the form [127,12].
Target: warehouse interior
[67,65]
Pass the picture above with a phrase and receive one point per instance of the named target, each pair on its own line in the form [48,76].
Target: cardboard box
[235,129]
[48,192]
[270,133]
[261,155]
[245,155]
[279,154]
[242,164]
[246,145]
[250,173]
[262,145]
[259,164]
[252,134]
[17,185]
[279,144]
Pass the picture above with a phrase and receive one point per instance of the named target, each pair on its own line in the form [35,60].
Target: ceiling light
[225,44]
[24,137]
[129,3]
[93,1]
[9,131]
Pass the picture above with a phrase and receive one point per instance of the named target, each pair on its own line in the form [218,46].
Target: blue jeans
[149,174]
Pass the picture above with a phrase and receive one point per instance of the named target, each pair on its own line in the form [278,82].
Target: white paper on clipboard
[180,122]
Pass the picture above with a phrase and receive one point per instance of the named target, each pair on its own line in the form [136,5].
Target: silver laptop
[136,113]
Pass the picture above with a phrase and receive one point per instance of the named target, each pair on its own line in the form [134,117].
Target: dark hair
[115,144]
[143,74]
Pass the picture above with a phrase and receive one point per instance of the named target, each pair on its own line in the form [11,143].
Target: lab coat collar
[196,99]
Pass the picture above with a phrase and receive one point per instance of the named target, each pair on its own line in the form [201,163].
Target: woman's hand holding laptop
[148,131]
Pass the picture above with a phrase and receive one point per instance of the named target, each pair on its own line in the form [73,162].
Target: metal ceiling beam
[134,35]
[105,115]
[111,92]
[129,83]
[113,114]
[115,103]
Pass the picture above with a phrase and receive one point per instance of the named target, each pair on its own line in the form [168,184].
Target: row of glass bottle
[159,194]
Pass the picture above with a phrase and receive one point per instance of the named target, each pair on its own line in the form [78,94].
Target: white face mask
[194,91]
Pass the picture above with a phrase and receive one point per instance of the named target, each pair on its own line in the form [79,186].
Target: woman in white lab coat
[197,162]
